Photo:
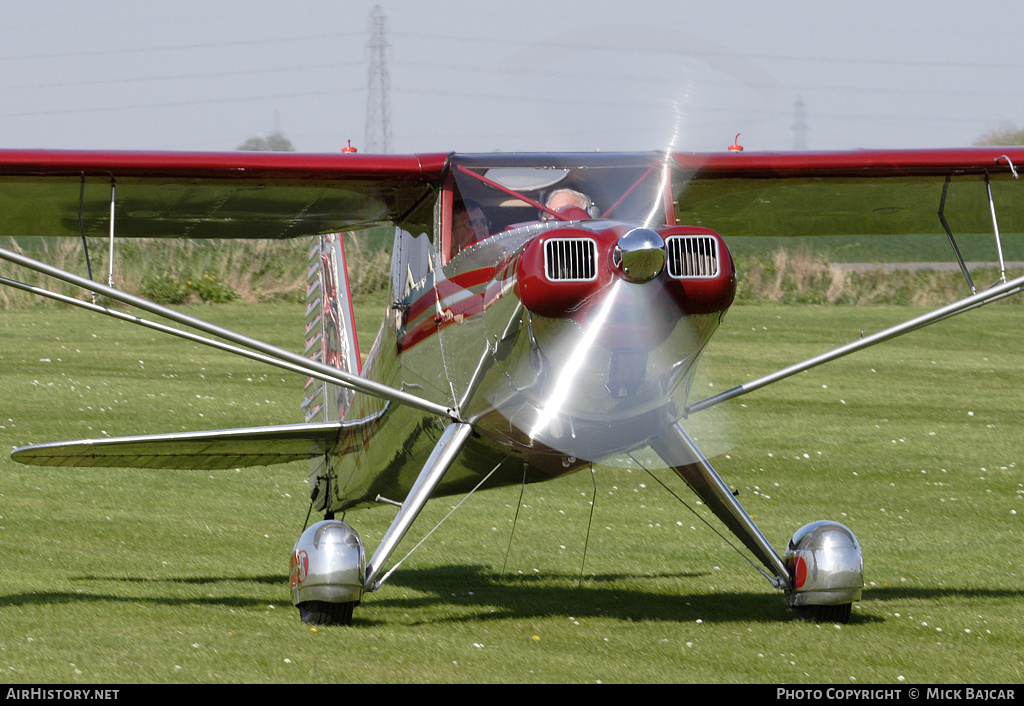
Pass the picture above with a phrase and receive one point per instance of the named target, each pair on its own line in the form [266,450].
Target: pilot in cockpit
[569,199]
[469,224]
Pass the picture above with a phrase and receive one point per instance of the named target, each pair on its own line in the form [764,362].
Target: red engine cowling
[681,270]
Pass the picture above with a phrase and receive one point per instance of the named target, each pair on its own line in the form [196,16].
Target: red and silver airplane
[546,314]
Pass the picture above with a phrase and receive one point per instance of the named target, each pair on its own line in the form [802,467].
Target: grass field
[125,576]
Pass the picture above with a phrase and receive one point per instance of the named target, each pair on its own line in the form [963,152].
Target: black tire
[825,613]
[324,613]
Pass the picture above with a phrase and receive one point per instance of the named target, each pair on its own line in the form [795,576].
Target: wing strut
[995,224]
[163,328]
[441,458]
[81,229]
[952,240]
[339,377]
[113,191]
[710,487]
[999,291]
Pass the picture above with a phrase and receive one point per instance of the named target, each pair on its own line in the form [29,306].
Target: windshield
[502,191]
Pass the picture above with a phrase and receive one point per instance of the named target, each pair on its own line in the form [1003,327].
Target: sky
[481,76]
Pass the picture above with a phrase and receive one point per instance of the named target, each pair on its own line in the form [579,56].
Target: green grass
[116,576]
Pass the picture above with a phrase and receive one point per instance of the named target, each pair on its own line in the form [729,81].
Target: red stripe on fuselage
[468,303]
[447,287]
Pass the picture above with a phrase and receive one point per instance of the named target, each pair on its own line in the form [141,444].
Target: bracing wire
[442,520]
[703,519]
[590,524]
[515,521]
[81,229]
[81,225]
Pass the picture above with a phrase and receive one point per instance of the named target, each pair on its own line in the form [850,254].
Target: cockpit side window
[462,220]
[469,225]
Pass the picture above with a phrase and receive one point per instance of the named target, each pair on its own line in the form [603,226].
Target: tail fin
[330,328]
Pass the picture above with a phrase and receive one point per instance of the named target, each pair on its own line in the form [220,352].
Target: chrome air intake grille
[570,259]
[692,256]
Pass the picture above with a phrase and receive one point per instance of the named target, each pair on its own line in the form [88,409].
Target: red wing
[859,192]
[208,195]
[279,195]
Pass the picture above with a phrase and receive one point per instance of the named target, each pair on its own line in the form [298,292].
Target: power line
[180,77]
[172,104]
[178,47]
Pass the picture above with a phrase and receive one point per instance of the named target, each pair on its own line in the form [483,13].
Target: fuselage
[564,342]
